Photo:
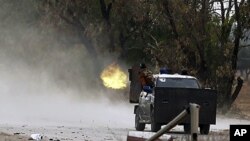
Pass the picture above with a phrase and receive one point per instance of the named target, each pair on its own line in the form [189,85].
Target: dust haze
[46,80]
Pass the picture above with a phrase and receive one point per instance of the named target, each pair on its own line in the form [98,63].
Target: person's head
[143,66]
[184,72]
[165,70]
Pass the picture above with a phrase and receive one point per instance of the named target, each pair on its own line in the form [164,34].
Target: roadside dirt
[242,103]
[14,137]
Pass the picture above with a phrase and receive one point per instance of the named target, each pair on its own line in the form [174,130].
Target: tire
[204,129]
[187,128]
[154,125]
[138,126]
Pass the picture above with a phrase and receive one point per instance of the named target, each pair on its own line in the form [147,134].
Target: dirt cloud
[44,78]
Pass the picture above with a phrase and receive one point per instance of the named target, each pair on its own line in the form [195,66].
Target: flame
[113,77]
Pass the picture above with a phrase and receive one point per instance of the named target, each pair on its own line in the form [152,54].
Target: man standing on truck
[146,76]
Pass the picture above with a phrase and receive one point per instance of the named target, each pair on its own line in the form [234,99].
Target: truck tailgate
[169,102]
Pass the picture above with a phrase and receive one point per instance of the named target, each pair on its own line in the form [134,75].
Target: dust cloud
[45,80]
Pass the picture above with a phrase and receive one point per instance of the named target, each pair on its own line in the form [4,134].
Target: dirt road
[77,119]
[82,132]
[101,123]
[65,119]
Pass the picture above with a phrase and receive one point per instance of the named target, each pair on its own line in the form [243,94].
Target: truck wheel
[138,126]
[204,129]
[187,128]
[154,125]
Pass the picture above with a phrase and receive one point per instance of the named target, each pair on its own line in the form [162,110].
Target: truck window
[177,83]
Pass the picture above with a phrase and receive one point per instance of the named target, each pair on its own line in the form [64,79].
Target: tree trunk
[236,91]
[247,74]
[105,10]
[92,52]
[229,98]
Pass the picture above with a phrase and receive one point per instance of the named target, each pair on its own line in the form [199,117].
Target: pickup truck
[170,96]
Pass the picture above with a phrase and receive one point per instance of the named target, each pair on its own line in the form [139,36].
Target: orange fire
[113,77]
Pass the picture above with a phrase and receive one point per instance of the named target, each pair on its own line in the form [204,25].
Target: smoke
[36,57]
[43,76]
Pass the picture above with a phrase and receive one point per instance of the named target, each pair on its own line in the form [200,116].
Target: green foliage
[178,34]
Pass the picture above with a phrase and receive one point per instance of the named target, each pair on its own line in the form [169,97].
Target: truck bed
[169,102]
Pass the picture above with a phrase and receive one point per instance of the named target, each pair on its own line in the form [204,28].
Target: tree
[209,39]
[201,36]
[77,18]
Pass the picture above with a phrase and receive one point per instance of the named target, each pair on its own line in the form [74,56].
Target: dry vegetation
[8,137]
[243,101]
